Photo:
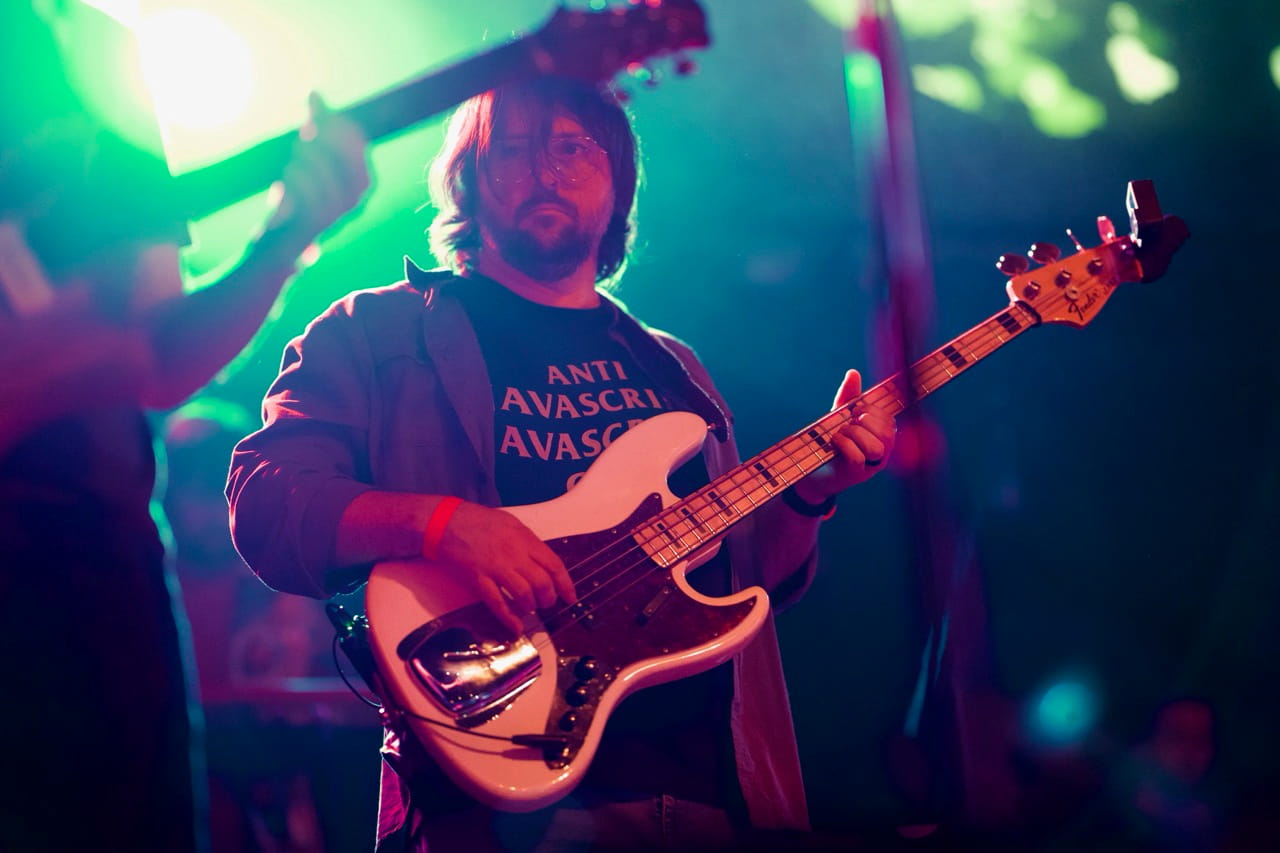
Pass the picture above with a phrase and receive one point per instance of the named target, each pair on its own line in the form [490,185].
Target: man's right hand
[504,563]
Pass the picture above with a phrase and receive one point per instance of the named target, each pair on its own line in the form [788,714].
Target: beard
[541,253]
[542,260]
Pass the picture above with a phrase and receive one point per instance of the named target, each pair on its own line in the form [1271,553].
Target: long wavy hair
[454,173]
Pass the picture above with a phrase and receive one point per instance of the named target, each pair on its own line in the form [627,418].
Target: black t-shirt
[563,390]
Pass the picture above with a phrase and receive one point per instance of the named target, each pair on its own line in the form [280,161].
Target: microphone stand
[943,730]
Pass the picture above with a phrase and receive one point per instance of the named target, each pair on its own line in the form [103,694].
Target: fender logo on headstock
[1081,306]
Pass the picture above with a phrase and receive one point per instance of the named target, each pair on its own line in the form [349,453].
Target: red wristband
[436,524]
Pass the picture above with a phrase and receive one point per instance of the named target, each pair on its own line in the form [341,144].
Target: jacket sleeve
[291,480]
[777,547]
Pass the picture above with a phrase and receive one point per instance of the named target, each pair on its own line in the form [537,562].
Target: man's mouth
[545,205]
[544,209]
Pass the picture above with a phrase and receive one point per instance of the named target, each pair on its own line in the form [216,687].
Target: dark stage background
[1114,489]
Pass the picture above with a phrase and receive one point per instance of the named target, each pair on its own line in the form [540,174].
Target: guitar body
[442,656]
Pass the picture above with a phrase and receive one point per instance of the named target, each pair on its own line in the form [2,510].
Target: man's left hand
[862,447]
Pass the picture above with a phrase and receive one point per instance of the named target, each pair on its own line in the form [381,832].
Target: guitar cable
[351,633]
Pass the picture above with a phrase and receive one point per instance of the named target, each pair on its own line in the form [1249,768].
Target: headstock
[1072,290]
[594,46]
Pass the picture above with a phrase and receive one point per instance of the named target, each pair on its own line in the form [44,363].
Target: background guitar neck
[213,187]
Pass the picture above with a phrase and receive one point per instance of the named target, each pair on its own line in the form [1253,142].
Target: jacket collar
[451,344]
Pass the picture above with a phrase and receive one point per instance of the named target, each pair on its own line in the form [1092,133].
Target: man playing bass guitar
[406,415]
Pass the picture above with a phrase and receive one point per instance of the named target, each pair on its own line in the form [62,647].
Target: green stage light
[199,70]
[1275,66]
[952,85]
[226,74]
[1056,107]
[1141,76]
[1026,51]
[921,19]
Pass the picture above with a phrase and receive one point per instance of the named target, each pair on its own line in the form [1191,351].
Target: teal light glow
[864,87]
[1064,713]
[1275,67]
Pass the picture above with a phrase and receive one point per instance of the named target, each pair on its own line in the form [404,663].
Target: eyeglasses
[573,158]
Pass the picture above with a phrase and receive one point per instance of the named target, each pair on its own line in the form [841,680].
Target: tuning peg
[1044,253]
[1106,230]
[1012,264]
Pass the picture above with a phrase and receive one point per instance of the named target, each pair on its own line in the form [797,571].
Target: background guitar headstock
[1072,290]
[594,46]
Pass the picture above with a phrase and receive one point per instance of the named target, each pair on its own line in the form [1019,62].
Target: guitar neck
[687,525]
[213,187]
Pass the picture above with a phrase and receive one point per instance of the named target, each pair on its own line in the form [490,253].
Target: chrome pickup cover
[465,668]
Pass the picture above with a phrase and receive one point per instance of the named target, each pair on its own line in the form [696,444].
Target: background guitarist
[498,381]
[95,327]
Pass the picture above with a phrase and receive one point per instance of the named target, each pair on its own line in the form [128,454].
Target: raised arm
[195,335]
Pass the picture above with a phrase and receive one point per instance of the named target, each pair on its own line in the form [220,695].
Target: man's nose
[543,172]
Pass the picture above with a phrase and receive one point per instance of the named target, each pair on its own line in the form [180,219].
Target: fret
[703,521]
[676,542]
[721,506]
[693,528]
[822,460]
[796,464]
[954,356]
[645,538]
[744,485]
